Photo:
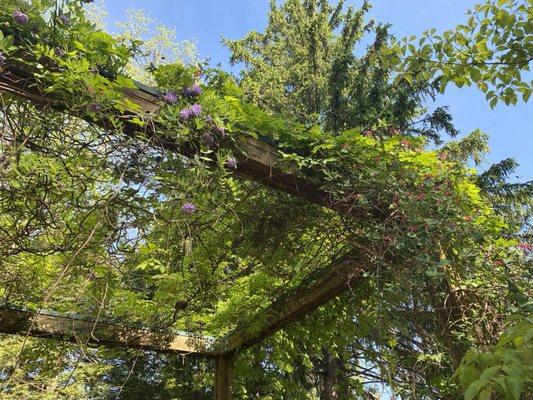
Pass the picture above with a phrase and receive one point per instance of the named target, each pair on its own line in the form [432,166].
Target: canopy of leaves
[109,226]
[492,50]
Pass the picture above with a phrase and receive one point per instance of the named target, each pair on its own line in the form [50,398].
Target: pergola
[258,161]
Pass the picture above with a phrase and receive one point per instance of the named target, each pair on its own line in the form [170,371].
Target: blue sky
[209,20]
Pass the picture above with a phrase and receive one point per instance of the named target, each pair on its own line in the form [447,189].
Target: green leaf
[125,82]
[485,393]
[8,42]
[475,74]
[489,373]
[514,387]
[468,373]
[473,389]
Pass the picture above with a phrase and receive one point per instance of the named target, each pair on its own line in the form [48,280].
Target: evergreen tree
[311,63]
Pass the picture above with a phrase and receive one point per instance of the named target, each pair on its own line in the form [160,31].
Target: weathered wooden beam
[314,292]
[224,376]
[21,322]
[258,159]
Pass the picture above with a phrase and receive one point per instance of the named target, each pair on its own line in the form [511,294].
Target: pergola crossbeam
[259,162]
[97,333]
[258,158]
[314,292]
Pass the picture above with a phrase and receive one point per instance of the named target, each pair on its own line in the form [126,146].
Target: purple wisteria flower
[231,162]
[191,112]
[196,109]
[95,107]
[170,97]
[59,52]
[2,59]
[209,140]
[219,131]
[64,19]
[188,208]
[193,91]
[19,17]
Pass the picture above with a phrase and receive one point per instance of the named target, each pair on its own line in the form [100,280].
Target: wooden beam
[314,292]
[21,322]
[258,159]
[224,376]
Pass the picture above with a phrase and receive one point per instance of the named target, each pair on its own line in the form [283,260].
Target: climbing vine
[99,223]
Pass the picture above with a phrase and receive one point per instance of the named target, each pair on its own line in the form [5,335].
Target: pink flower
[524,246]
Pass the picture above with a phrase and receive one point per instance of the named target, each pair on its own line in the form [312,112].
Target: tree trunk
[331,379]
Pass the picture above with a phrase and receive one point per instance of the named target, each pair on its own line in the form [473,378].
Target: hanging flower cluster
[191,112]
[95,107]
[64,19]
[193,91]
[170,97]
[58,51]
[231,162]
[188,208]
[20,18]
[209,141]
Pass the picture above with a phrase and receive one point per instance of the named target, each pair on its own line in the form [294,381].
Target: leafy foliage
[99,224]
[492,50]
[504,370]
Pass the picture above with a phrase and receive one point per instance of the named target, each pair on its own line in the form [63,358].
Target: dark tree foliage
[313,62]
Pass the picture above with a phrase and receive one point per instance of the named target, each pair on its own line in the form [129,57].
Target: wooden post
[224,377]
